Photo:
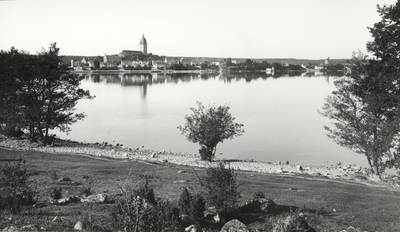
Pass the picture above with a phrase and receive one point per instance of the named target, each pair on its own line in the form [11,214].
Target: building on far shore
[131,54]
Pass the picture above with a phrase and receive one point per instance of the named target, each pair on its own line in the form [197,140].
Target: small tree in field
[210,126]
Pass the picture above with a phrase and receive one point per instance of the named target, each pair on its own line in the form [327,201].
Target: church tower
[143,45]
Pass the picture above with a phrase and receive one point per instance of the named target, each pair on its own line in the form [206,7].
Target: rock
[299,168]
[266,204]
[153,155]
[98,198]
[212,216]
[234,226]
[279,170]
[287,162]
[78,226]
[279,163]
[67,200]
[193,228]
[356,168]
[182,171]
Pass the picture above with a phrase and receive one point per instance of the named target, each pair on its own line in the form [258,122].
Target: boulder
[153,155]
[234,226]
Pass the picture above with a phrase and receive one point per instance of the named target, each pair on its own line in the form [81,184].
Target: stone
[234,226]
[287,162]
[299,168]
[266,204]
[212,216]
[78,226]
[153,155]
[279,170]
[193,228]
[97,198]
[279,163]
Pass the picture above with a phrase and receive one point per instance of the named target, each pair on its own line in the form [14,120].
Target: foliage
[138,210]
[210,126]
[220,188]
[365,106]
[40,94]
[193,206]
[15,192]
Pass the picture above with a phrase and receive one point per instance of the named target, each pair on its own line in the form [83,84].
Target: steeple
[143,45]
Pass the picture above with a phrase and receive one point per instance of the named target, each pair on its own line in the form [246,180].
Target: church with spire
[133,53]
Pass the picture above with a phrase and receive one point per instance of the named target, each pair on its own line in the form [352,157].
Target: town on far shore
[142,60]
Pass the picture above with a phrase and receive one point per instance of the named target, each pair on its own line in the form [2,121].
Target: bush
[138,210]
[192,206]
[220,188]
[15,192]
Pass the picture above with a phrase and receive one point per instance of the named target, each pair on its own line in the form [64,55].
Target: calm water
[279,114]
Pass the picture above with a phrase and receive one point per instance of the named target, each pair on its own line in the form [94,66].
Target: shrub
[15,192]
[220,188]
[193,206]
[138,210]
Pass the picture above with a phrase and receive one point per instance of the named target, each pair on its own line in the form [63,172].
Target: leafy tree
[366,104]
[44,92]
[360,123]
[210,126]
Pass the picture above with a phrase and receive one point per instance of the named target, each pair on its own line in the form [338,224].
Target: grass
[328,205]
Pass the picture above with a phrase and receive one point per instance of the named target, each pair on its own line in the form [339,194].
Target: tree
[361,124]
[45,93]
[210,126]
[366,106]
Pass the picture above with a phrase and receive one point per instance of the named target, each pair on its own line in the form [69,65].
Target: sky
[301,29]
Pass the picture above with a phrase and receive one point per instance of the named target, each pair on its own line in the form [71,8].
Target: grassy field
[329,205]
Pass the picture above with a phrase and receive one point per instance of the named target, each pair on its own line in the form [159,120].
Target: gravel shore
[353,173]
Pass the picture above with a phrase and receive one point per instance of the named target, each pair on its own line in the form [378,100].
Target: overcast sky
[309,29]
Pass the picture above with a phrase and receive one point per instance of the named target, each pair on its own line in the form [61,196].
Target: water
[279,114]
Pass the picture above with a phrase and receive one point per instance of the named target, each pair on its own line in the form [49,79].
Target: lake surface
[279,114]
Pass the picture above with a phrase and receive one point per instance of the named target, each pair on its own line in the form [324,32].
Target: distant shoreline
[143,71]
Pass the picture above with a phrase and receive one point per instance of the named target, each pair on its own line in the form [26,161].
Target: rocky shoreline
[349,173]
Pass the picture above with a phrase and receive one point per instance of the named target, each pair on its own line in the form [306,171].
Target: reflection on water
[279,112]
[145,79]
